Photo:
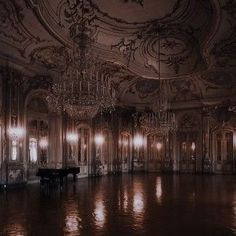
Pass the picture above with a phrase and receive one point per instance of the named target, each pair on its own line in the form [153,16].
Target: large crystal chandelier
[84,87]
[159,120]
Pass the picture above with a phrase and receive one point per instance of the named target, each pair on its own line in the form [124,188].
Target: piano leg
[61,182]
[74,177]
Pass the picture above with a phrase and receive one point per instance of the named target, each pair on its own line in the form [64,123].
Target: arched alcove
[83,149]
[223,139]
[37,132]
[189,142]
[157,148]
[124,151]
[103,159]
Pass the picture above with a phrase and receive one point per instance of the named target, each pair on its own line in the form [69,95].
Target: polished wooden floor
[142,204]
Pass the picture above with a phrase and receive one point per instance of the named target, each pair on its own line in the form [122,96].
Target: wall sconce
[138,140]
[16,133]
[72,138]
[159,146]
[193,146]
[99,139]
[43,143]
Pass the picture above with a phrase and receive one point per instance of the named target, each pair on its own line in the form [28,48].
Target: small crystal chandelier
[85,87]
[159,120]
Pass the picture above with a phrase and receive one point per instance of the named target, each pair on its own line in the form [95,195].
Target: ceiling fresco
[196,38]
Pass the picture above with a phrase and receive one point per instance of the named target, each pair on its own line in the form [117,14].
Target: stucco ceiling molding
[126,34]
[222,48]
[12,30]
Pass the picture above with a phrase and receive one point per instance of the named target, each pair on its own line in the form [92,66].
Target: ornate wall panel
[189,142]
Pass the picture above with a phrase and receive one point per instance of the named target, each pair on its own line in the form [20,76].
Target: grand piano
[56,175]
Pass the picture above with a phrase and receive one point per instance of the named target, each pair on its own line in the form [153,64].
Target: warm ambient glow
[193,146]
[138,140]
[234,140]
[72,138]
[43,143]
[159,146]
[16,132]
[99,139]
[125,143]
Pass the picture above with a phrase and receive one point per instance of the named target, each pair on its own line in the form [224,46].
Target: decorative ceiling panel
[133,32]
[197,42]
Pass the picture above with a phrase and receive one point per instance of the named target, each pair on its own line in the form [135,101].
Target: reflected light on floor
[125,201]
[138,206]
[138,203]
[16,229]
[158,190]
[99,213]
[72,224]
[72,219]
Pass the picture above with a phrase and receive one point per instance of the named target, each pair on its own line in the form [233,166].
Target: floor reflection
[15,229]
[124,205]
[99,213]
[158,189]
[125,201]
[72,218]
[138,202]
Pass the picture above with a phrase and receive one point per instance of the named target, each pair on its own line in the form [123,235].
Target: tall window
[218,146]
[105,147]
[33,150]
[224,146]
[188,140]
[156,147]
[14,150]
[229,145]
[188,135]
[37,130]
[83,145]
[125,147]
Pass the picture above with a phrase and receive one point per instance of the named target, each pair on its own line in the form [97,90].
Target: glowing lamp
[16,133]
[99,139]
[159,146]
[193,146]
[72,138]
[138,140]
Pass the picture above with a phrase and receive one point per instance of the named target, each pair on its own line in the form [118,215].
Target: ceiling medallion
[85,86]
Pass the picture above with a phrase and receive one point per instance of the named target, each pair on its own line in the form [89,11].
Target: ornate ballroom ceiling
[197,44]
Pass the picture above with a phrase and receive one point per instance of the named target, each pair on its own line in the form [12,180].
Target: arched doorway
[124,151]
[37,141]
[84,149]
[188,143]
[156,152]
[103,160]
[223,139]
